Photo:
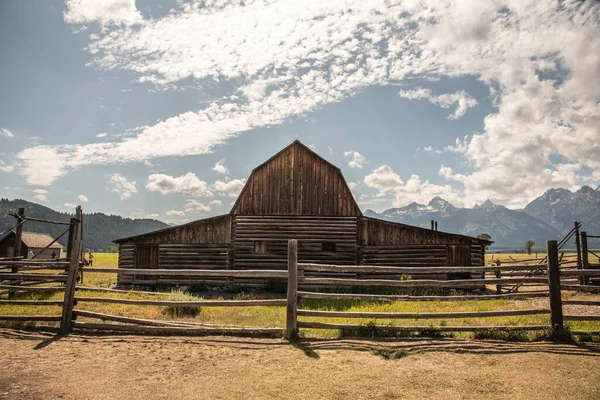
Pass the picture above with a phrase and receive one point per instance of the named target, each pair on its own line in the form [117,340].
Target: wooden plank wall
[375,232]
[193,256]
[311,233]
[477,254]
[209,230]
[126,258]
[296,182]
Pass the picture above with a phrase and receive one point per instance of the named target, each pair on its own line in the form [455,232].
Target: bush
[181,311]
[196,287]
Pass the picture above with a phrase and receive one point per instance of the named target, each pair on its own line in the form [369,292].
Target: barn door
[146,256]
[458,255]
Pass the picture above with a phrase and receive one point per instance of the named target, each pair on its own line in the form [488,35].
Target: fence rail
[298,314]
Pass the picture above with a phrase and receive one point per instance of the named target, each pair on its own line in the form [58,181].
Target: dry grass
[101,367]
[275,316]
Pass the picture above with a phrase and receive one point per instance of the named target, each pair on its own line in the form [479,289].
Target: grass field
[275,316]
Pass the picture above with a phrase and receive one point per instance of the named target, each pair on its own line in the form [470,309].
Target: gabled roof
[296,181]
[39,240]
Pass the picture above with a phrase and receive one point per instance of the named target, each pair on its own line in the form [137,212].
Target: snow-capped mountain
[561,207]
[507,227]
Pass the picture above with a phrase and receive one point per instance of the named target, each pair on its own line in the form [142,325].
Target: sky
[161,109]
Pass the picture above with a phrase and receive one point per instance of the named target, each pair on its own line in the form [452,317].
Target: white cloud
[462,99]
[313,53]
[40,194]
[141,213]
[70,205]
[216,202]
[41,165]
[185,185]
[231,188]
[220,168]
[122,186]
[82,198]
[353,185]
[6,168]
[383,179]
[40,197]
[104,11]
[174,213]
[432,150]
[356,160]
[6,133]
[415,190]
[101,135]
[195,207]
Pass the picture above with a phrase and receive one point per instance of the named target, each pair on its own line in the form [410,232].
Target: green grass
[266,316]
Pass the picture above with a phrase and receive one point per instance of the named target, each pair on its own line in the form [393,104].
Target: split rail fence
[303,281]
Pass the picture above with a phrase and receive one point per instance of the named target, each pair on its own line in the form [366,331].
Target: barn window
[260,247]
[329,247]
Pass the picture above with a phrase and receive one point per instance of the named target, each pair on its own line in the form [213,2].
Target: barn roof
[296,181]
[39,240]
[273,188]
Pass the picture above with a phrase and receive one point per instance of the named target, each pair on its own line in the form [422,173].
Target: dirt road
[37,366]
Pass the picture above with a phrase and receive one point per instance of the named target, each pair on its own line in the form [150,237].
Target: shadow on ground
[312,347]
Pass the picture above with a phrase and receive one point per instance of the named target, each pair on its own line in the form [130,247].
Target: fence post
[68,303]
[585,257]
[556,316]
[578,248]
[17,248]
[291,325]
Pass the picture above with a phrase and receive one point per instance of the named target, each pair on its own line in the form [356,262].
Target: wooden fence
[307,277]
[552,280]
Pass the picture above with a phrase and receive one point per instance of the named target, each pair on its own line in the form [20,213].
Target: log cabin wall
[201,244]
[296,181]
[393,244]
[261,242]
[126,256]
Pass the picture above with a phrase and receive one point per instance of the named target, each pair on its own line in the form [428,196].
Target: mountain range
[548,217]
[99,230]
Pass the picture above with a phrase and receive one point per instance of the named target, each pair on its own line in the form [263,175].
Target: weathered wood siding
[296,181]
[215,230]
[311,233]
[126,258]
[192,256]
[376,232]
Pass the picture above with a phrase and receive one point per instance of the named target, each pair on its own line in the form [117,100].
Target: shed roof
[39,240]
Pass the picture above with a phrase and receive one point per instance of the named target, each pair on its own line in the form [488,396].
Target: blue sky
[162,108]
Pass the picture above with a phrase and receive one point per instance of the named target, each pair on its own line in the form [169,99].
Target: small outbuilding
[32,243]
[296,194]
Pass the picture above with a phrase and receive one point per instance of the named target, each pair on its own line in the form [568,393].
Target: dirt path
[36,366]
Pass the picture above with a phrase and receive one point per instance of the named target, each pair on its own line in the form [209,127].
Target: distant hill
[99,230]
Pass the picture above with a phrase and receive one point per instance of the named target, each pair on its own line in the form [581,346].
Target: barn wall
[201,244]
[375,232]
[311,233]
[296,182]
[126,256]
[7,245]
[214,230]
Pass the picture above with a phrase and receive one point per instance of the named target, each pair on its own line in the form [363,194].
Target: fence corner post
[556,316]
[71,284]
[291,326]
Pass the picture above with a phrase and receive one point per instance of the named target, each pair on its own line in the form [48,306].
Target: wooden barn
[31,244]
[296,194]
